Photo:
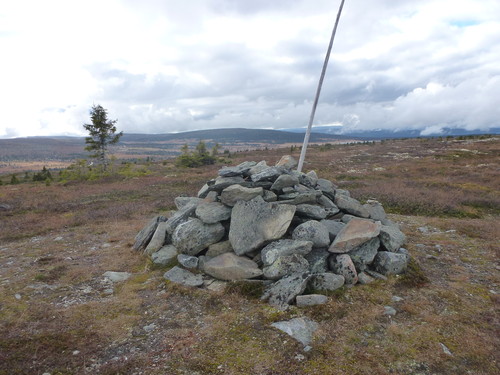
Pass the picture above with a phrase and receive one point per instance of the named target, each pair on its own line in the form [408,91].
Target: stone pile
[299,235]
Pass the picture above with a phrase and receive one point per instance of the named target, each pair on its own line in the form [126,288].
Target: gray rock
[281,293]
[181,216]
[363,255]
[144,236]
[375,210]
[234,193]
[312,231]
[219,248]
[269,196]
[333,227]
[388,263]
[219,184]
[213,212]
[193,236]
[375,275]
[342,264]
[301,329]
[268,174]
[312,177]
[347,218]
[284,247]
[351,206]
[391,238]
[311,300]
[364,278]
[166,256]
[283,181]
[287,162]
[182,201]
[327,203]
[318,260]
[342,192]
[116,277]
[184,277]
[256,222]
[327,187]
[311,211]
[326,281]
[354,234]
[389,310]
[229,266]
[158,239]
[286,265]
[239,170]
[187,261]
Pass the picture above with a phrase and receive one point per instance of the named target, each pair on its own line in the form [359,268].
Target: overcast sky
[161,66]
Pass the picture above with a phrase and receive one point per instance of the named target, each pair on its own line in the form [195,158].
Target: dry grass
[56,242]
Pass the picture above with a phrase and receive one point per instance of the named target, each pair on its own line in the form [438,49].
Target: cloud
[162,66]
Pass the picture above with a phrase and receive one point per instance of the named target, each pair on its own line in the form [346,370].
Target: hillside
[59,315]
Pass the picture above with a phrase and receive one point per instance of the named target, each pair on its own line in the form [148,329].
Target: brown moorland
[57,315]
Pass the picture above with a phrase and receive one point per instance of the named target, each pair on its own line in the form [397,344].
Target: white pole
[318,91]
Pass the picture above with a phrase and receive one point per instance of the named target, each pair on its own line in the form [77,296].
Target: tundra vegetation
[59,315]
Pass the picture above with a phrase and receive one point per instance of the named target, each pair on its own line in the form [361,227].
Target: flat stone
[229,266]
[254,223]
[158,239]
[301,329]
[312,231]
[351,206]
[166,256]
[257,168]
[287,162]
[181,216]
[234,193]
[269,196]
[219,248]
[311,211]
[376,210]
[286,265]
[239,170]
[342,265]
[187,261]
[281,293]
[327,203]
[193,236]
[354,234]
[363,255]
[116,277]
[333,227]
[364,278]
[391,237]
[219,184]
[375,275]
[267,174]
[283,181]
[284,247]
[183,201]
[388,263]
[144,236]
[184,277]
[326,281]
[311,300]
[212,212]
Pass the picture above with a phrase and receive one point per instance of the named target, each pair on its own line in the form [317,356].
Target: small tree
[102,134]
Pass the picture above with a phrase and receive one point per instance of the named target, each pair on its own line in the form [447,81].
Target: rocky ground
[60,314]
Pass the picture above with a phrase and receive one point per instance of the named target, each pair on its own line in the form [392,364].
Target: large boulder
[256,222]
[213,212]
[391,237]
[193,236]
[229,266]
[312,231]
[284,247]
[286,265]
[355,233]
[234,193]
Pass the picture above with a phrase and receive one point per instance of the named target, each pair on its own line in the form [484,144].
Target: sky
[162,66]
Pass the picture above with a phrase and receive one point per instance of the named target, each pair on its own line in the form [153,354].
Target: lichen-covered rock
[158,239]
[283,292]
[375,210]
[181,216]
[283,181]
[286,265]
[212,212]
[183,201]
[312,231]
[229,266]
[389,263]
[342,264]
[326,282]
[333,227]
[311,300]
[219,184]
[363,255]
[187,261]
[184,277]
[391,237]
[256,222]
[311,211]
[219,248]
[193,236]
[267,174]
[318,260]
[276,249]
[239,170]
[166,256]
[144,236]
[287,162]
[355,233]
[234,193]
[351,206]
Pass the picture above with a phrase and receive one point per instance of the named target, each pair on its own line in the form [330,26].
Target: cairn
[297,234]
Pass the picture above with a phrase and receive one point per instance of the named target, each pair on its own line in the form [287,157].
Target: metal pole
[318,91]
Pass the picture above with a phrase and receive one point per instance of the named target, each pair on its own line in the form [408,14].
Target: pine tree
[102,133]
